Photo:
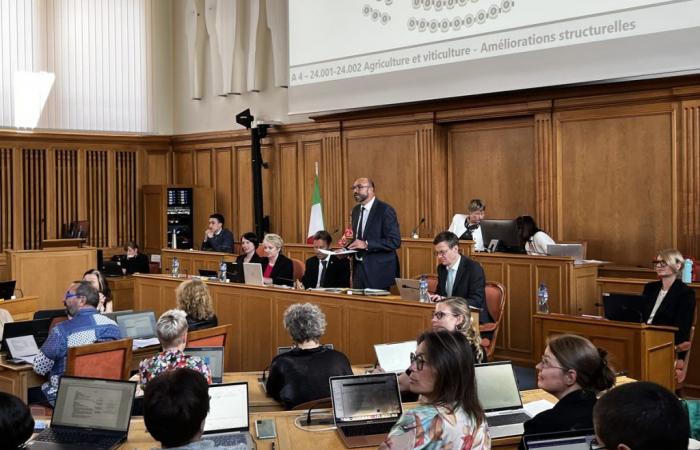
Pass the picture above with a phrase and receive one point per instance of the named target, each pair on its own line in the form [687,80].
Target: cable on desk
[315,430]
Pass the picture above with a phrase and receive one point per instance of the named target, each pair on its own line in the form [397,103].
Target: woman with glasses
[452,314]
[669,301]
[574,371]
[448,414]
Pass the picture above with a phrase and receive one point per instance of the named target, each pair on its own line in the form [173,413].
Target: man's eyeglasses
[70,294]
[418,360]
[659,263]
[439,315]
[359,187]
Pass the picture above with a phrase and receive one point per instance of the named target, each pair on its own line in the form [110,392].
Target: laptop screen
[7,288]
[94,403]
[252,273]
[213,357]
[567,440]
[496,386]
[365,397]
[395,357]
[137,325]
[228,408]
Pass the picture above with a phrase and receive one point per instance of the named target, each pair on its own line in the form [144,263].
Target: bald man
[377,237]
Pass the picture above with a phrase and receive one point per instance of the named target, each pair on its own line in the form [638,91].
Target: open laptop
[565,440]
[498,394]
[114,314]
[395,357]
[39,328]
[365,407]
[573,250]
[234,272]
[22,349]
[227,422]
[624,307]
[252,274]
[408,288]
[7,289]
[112,269]
[213,357]
[90,413]
[139,325]
[208,273]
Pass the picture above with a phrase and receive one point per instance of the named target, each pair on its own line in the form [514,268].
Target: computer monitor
[77,229]
[501,235]
[7,289]
[624,307]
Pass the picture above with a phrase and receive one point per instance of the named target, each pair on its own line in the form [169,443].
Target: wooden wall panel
[689,201]
[158,167]
[183,167]
[66,192]
[617,180]
[243,195]
[289,185]
[223,183]
[203,174]
[96,190]
[493,160]
[33,197]
[333,188]
[6,198]
[126,197]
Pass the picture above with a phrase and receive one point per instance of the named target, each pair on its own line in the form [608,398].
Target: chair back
[682,371]
[260,251]
[496,303]
[299,268]
[210,337]
[110,360]
[432,280]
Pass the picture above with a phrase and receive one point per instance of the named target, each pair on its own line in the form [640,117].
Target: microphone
[414,233]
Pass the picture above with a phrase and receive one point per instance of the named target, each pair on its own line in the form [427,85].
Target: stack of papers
[141,343]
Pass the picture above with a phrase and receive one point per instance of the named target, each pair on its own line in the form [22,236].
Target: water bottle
[543,299]
[222,271]
[423,296]
[687,276]
[175,267]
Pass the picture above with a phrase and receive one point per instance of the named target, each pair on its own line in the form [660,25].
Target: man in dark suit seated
[377,237]
[216,237]
[335,272]
[459,276]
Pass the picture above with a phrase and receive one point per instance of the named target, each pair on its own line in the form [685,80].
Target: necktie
[450,281]
[323,273]
[359,224]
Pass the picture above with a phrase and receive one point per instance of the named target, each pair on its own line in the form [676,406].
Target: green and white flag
[316,218]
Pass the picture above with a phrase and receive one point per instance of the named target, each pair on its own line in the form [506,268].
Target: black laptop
[38,328]
[234,272]
[564,440]
[7,289]
[624,307]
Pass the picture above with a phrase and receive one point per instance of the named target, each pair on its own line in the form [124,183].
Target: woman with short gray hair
[301,374]
[172,334]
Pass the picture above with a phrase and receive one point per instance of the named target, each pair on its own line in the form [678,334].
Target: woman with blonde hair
[453,314]
[277,268]
[193,298]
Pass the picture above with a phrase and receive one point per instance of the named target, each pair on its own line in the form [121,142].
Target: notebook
[252,274]
[365,407]
[90,414]
[213,357]
[498,394]
[140,325]
[227,423]
[395,357]
[39,328]
[408,288]
[565,440]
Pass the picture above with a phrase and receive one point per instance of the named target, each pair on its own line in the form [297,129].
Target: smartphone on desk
[265,429]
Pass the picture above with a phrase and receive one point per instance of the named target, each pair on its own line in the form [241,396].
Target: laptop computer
[208,273]
[113,315]
[39,328]
[7,289]
[365,407]
[227,422]
[565,440]
[90,413]
[573,250]
[213,357]
[112,269]
[408,288]
[395,357]
[252,274]
[281,350]
[234,272]
[22,349]
[498,394]
[624,307]
[140,325]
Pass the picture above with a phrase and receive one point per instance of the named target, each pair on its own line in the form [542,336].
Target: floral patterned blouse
[428,427]
[170,360]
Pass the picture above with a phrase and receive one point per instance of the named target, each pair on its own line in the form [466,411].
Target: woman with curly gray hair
[301,374]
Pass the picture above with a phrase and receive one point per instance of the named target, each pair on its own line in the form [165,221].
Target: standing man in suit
[216,237]
[377,236]
[334,271]
[459,276]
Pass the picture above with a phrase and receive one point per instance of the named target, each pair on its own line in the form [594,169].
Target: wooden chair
[681,366]
[299,268]
[210,337]
[315,404]
[496,303]
[110,360]
[432,279]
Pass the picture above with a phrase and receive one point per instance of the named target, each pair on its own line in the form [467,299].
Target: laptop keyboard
[97,441]
[370,428]
[508,419]
[228,440]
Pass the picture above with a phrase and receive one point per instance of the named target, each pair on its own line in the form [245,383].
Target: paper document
[538,406]
[340,251]
[395,357]
[141,343]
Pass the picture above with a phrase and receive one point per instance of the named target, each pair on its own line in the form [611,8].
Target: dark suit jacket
[282,272]
[337,272]
[379,265]
[677,309]
[222,242]
[469,284]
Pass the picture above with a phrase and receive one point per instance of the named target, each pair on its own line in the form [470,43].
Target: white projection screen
[347,54]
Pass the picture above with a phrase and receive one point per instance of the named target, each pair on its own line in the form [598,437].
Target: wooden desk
[355,323]
[16,379]
[122,292]
[644,352]
[193,260]
[21,308]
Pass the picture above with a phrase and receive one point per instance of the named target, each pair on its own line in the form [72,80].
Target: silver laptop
[498,394]
[213,357]
[565,440]
[227,422]
[252,274]
[408,288]
[395,357]
[90,414]
[573,250]
[140,325]
[365,407]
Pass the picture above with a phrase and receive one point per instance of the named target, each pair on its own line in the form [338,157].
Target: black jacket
[222,242]
[470,284]
[282,272]
[677,308]
[337,272]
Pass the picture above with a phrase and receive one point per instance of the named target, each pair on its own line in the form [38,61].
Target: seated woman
[172,334]
[532,238]
[277,268]
[16,422]
[99,282]
[301,375]
[669,301]
[193,298]
[134,262]
[574,371]
[249,245]
[449,414]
